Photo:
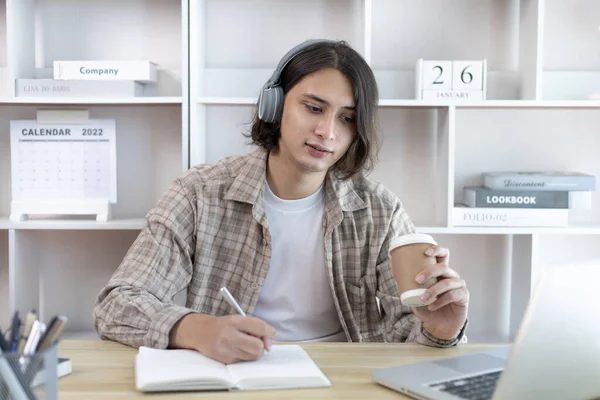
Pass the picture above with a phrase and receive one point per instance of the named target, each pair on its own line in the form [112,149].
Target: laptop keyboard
[478,387]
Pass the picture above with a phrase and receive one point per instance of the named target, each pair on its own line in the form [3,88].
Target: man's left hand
[445,317]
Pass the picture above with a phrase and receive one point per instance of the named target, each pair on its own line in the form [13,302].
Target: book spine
[50,88]
[520,182]
[483,197]
[513,217]
[141,71]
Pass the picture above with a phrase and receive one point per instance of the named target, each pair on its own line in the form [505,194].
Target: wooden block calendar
[451,80]
[63,169]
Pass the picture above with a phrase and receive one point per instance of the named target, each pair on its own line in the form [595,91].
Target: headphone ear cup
[269,103]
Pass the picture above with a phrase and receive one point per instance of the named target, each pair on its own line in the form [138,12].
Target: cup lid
[411,238]
[412,298]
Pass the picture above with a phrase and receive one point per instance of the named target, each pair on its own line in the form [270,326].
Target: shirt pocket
[364,308]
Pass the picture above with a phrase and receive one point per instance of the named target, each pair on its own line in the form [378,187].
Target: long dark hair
[362,153]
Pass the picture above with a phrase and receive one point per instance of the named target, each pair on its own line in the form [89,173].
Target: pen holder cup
[29,377]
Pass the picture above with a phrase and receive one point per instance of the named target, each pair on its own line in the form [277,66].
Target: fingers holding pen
[226,339]
[243,338]
[258,328]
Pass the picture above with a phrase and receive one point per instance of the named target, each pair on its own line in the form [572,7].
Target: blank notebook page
[156,366]
[281,362]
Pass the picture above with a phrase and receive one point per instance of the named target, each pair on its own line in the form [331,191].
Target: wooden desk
[105,370]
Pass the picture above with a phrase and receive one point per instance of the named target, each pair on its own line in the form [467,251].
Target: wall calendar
[63,169]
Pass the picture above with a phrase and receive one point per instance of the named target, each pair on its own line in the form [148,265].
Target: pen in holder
[17,373]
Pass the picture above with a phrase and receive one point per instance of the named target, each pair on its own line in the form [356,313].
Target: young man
[294,230]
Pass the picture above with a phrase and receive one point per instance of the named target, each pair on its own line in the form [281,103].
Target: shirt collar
[248,184]
[248,187]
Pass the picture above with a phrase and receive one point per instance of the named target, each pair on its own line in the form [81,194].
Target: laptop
[555,355]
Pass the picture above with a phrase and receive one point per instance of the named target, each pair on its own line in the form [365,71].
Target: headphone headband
[289,56]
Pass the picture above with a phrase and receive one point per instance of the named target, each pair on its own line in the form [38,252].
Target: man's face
[318,121]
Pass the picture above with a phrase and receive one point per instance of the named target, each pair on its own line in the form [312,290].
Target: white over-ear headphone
[270,98]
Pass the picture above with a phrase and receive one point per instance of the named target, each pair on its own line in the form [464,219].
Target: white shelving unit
[59,265]
[543,65]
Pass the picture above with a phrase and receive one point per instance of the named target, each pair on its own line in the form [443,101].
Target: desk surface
[104,369]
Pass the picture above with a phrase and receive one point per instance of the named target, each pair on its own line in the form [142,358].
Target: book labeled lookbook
[51,88]
[485,197]
[140,71]
[283,367]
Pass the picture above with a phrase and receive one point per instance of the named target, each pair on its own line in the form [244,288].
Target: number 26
[463,74]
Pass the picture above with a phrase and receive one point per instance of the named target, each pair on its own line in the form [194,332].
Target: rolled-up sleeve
[136,306]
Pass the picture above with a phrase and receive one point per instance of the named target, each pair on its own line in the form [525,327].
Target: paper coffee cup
[407,259]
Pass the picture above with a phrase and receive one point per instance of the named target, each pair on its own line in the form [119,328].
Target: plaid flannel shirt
[210,230]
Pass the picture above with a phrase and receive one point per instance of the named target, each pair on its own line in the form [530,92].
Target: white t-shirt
[296,298]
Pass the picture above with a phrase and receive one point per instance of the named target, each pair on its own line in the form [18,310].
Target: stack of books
[91,79]
[534,199]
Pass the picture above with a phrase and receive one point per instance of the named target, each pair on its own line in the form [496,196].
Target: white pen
[37,330]
[33,338]
[229,299]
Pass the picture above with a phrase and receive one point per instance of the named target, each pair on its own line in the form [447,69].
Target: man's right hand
[225,339]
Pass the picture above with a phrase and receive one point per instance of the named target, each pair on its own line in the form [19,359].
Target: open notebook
[284,367]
